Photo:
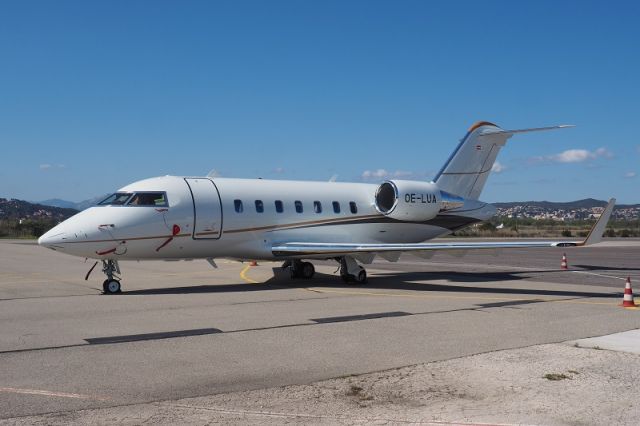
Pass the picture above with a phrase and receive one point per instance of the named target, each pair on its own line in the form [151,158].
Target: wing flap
[340,249]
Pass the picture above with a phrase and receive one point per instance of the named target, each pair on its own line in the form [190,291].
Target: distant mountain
[62,209]
[57,202]
[82,205]
[587,203]
[18,209]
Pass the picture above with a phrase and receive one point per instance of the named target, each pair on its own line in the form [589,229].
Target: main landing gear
[300,269]
[112,284]
[350,271]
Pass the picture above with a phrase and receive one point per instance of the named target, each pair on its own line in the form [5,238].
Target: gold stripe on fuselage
[234,231]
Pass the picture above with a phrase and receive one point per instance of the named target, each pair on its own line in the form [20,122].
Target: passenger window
[238,205]
[353,207]
[279,207]
[149,199]
[317,207]
[259,206]
[298,206]
[336,207]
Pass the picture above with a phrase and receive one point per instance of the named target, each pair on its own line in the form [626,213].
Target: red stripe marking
[176,230]
[102,253]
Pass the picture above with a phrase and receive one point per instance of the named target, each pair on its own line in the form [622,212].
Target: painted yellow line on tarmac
[446,296]
[243,275]
[50,393]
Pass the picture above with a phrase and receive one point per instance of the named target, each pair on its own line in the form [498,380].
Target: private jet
[182,217]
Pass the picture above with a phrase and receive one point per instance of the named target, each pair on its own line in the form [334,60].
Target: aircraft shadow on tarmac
[407,281]
[388,281]
[605,268]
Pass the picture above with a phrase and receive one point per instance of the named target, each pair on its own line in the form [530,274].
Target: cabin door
[207,208]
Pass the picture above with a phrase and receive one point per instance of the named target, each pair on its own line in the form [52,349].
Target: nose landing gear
[112,284]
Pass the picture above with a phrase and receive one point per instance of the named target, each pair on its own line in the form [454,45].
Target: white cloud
[575,156]
[630,175]
[48,166]
[603,152]
[572,156]
[498,167]
[402,174]
[380,174]
[375,174]
[278,170]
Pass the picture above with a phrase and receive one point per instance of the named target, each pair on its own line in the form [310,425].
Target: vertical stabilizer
[466,171]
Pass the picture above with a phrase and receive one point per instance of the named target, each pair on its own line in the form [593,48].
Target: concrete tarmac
[184,329]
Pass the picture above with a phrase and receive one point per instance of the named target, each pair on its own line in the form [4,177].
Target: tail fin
[467,169]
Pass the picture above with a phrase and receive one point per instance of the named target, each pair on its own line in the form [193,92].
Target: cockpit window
[117,199]
[158,199]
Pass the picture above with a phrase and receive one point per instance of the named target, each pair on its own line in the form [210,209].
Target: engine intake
[413,201]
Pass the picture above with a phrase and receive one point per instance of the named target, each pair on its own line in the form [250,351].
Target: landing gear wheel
[111,269]
[299,269]
[351,272]
[111,286]
[307,270]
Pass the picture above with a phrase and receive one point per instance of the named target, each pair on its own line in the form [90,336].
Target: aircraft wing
[301,249]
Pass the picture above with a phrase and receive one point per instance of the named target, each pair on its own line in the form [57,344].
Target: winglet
[595,235]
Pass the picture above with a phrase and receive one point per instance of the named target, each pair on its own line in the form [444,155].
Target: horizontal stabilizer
[533,129]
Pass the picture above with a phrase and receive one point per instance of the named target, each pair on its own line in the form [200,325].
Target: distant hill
[82,205]
[57,202]
[62,209]
[18,209]
[587,203]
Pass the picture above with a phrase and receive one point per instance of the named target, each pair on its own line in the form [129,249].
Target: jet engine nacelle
[413,201]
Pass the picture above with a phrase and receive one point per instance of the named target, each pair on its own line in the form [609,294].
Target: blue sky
[94,95]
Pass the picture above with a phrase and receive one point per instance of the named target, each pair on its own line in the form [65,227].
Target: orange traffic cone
[564,264]
[253,263]
[627,300]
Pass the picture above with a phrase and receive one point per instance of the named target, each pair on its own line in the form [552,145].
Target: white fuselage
[202,219]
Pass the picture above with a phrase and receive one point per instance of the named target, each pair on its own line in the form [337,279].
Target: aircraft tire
[294,273]
[362,277]
[307,271]
[111,287]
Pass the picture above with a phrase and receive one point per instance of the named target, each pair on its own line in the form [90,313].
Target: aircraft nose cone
[51,238]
